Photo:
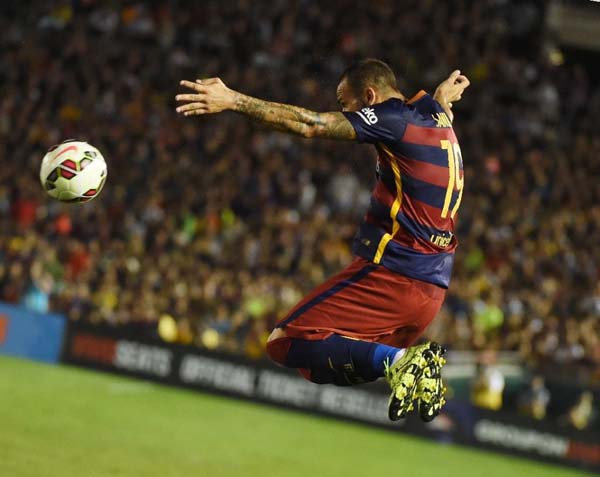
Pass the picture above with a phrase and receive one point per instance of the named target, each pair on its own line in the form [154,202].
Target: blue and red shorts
[367,302]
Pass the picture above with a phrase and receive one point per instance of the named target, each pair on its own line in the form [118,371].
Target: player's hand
[209,96]
[451,89]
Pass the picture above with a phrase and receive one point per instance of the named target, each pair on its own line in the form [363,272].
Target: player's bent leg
[362,302]
[335,360]
[414,374]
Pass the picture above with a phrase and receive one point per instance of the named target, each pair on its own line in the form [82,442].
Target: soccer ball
[73,171]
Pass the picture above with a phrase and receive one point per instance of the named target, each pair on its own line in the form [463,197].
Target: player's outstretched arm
[213,96]
[450,90]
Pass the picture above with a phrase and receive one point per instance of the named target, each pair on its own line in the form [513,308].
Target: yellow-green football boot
[430,388]
[404,375]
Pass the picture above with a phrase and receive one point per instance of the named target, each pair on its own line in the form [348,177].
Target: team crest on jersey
[441,120]
[368,115]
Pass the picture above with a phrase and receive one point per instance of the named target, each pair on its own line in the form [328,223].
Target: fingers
[458,79]
[197,112]
[191,106]
[200,85]
[455,74]
[190,97]
[207,96]
[463,81]
[196,103]
[194,86]
[208,81]
[193,109]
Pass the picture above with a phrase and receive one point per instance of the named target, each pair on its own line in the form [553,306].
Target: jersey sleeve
[384,122]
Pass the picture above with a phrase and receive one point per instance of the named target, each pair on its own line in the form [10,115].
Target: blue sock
[381,354]
[339,360]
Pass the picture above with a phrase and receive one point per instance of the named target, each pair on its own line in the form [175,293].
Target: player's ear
[370,96]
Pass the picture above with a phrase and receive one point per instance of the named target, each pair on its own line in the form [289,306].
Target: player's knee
[278,348]
[305,373]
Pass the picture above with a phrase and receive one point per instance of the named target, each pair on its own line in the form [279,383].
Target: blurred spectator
[167,328]
[36,298]
[534,401]
[581,414]
[488,384]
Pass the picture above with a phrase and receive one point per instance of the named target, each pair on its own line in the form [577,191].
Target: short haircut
[369,72]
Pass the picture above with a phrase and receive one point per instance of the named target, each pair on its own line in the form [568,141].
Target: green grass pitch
[60,422]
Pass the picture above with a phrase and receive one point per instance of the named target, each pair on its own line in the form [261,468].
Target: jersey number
[454,163]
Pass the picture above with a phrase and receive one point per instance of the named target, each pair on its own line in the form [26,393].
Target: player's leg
[372,305]
[413,373]
[335,359]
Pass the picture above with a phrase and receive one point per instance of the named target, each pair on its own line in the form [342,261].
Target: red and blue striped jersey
[409,226]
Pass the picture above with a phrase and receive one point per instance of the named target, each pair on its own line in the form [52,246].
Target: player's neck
[393,94]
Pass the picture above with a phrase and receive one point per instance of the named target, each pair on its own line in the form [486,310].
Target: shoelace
[386,367]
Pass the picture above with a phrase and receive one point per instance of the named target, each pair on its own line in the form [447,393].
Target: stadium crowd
[215,227]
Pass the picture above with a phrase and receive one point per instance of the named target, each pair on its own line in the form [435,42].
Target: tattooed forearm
[295,120]
[280,116]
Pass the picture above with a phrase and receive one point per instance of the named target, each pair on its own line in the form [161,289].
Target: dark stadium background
[209,230]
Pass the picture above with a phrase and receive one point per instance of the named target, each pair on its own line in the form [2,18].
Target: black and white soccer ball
[73,171]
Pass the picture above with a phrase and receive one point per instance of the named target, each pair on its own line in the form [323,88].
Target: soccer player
[361,324]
